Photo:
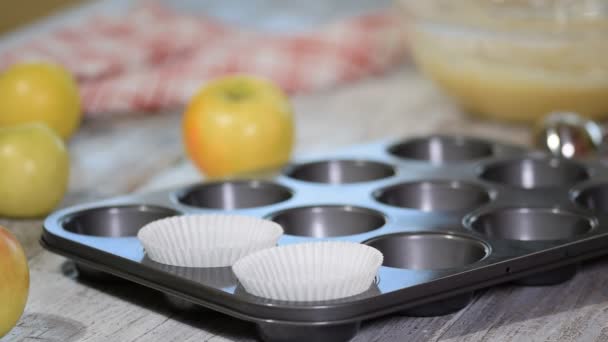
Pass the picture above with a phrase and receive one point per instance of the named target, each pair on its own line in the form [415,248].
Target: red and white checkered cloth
[153,58]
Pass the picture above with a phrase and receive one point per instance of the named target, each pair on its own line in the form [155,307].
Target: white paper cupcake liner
[309,271]
[207,240]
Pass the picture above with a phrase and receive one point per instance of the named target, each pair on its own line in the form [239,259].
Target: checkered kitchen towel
[153,58]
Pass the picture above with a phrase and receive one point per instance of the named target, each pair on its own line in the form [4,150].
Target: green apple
[35,170]
[14,281]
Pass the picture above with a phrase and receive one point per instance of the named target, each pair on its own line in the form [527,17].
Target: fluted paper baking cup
[309,271]
[207,240]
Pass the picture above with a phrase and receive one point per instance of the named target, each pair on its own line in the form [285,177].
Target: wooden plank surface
[111,157]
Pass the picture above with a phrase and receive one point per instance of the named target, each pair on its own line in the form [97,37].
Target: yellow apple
[238,124]
[40,92]
[14,281]
[34,172]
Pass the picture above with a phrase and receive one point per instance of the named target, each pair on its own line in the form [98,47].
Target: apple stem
[237,94]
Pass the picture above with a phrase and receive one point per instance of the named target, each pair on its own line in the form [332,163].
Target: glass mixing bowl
[514,60]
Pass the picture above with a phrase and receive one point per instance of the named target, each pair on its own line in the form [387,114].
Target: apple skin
[40,92]
[14,281]
[238,124]
[35,170]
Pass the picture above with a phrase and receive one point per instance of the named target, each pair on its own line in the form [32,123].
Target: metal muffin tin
[450,214]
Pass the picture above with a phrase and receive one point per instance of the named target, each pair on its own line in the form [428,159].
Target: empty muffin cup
[236,194]
[114,221]
[328,220]
[313,271]
[340,171]
[434,195]
[530,224]
[535,173]
[534,224]
[207,240]
[428,250]
[431,251]
[594,198]
[442,149]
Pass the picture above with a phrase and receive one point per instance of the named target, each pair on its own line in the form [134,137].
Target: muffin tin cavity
[530,224]
[328,220]
[434,195]
[229,195]
[429,251]
[594,198]
[439,149]
[115,221]
[340,171]
[529,173]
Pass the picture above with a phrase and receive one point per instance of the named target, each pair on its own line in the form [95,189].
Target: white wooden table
[117,156]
